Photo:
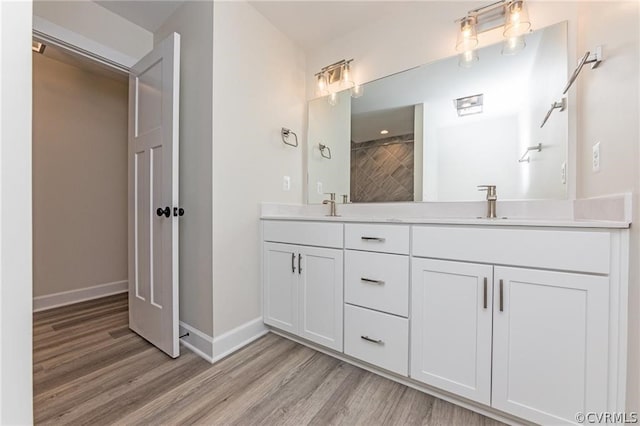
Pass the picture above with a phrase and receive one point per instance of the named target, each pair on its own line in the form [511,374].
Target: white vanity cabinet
[376,327]
[303,285]
[533,343]
[452,312]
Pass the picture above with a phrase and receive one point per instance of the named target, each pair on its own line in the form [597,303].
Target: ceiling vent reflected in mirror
[469,105]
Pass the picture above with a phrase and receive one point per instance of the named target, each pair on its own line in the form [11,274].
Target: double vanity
[522,320]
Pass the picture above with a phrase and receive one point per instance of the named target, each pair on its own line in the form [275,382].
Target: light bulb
[467,58]
[346,81]
[516,19]
[468,36]
[321,84]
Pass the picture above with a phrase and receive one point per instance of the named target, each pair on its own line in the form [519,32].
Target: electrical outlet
[286,183]
[563,173]
[319,188]
[596,157]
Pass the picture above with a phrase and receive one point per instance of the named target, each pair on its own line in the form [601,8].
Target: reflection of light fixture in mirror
[513,45]
[384,132]
[468,58]
[37,47]
[356,91]
[333,99]
[516,21]
[469,105]
[335,77]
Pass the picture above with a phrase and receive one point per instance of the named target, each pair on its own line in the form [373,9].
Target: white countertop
[536,222]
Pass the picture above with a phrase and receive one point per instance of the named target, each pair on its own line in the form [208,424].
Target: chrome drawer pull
[370,281]
[369,339]
[379,239]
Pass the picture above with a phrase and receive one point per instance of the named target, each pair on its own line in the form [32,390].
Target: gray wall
[194,22]
[79,177]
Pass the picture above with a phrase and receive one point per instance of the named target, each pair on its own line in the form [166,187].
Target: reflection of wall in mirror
[329,125]
[541,176]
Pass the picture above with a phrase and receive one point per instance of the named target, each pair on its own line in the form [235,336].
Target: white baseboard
[50,301]
[239,337]
[214,349]
[199,342]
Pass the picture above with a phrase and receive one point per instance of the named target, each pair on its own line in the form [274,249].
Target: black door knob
[163,212]
[178,211]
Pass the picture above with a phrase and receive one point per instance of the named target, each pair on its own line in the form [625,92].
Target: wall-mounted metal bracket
[285,137]
[594,59]
[525,158]
[561,105]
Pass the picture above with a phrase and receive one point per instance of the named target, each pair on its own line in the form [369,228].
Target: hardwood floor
[90,369]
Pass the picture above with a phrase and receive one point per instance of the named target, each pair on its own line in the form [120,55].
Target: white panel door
[321,295]
[153,195]
[451,312]
[280,286]
[550,339]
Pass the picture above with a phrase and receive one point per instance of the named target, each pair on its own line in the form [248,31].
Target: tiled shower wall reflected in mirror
[382,170]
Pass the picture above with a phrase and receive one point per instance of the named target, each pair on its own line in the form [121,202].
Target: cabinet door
[280,279]
[320,296]
[451,314]
[550,341]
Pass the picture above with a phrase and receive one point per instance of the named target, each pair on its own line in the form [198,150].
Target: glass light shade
[468,58]
[333,99]
[321,85]
[516,19]
[357,91]
[513,45]
[346,82]
[468,35]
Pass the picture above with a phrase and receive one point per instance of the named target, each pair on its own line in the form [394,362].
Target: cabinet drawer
[381,238]
[377,281]
[580,251]
[377,338]
[305,233]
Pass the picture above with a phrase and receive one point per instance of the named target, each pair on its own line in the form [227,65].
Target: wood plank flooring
[90,369]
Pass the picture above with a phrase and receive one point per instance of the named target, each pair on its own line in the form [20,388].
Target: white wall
[333,174]
[609,112]
[194,22]
[606,102]
[258,89]
[97,24]
[15,214]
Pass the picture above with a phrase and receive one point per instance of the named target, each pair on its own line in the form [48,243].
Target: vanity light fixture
[335,77]
[37,47]
[512,14]
[469,105]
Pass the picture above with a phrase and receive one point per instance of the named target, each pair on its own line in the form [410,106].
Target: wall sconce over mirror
[512,14]
[334,78]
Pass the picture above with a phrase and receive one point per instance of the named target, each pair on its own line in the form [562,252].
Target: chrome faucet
[332,203]
[492,197]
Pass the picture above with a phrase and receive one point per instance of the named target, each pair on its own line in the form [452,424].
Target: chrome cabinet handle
[299,264]
[485,292]
[379,239]
[370,281]
[369,339]
[293,263]
[501,297]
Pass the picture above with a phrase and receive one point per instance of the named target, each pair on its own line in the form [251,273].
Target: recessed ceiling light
[37,47]
[384,132]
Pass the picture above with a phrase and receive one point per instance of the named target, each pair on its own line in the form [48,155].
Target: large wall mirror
[436,132]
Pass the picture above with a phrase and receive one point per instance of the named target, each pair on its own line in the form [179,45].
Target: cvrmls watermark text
[607,418]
